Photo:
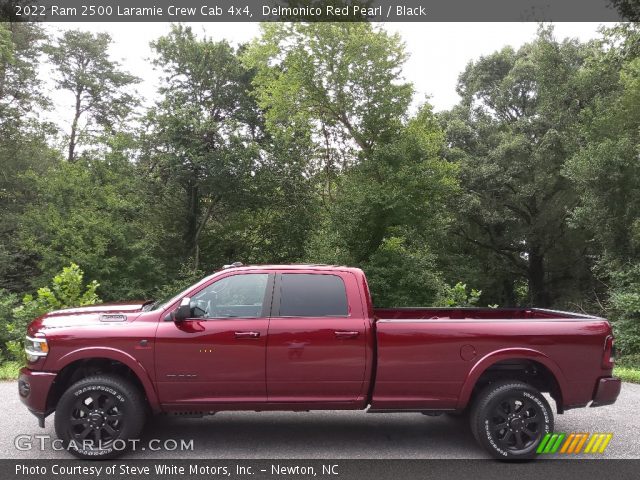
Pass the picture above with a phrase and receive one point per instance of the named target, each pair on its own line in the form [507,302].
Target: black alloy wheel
[98,416]
[516,423]
[510,418]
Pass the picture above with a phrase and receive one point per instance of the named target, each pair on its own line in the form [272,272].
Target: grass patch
[9,370]
[628,368]
[627,374]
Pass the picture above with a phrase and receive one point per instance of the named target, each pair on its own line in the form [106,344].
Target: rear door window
[312,295]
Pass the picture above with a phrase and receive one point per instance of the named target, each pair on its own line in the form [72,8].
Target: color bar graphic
[573,443]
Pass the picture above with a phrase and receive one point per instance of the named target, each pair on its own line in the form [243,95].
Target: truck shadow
[314,435]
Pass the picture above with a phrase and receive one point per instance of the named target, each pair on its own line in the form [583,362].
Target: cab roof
[301,266]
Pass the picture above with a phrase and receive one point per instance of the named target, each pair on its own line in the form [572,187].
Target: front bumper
[606,392]
[33,389]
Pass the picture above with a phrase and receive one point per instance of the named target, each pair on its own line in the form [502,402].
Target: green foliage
[459,296]
[511,136]
[629,361]
[15,350]
[99,86]
[22,143]
[20,88]
[340,81]
[6,47]
[606,169]
[182,279]
[9,370]
[67,290]
[388,213]
[606,172]
[202,137]
[8,302]
[405,184]
[624,308]
[401,274]
[627,334]
[627,374]
[89,212]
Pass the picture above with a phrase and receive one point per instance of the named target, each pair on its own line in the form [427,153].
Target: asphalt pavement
[314,435]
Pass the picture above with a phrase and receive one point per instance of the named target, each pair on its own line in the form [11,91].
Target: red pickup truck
[307,337]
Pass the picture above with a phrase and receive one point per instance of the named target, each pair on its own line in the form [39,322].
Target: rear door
[316,347]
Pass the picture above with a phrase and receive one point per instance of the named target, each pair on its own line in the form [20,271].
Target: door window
[240,296]
[312,295]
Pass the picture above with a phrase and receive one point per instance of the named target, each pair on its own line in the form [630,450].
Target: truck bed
[426,356]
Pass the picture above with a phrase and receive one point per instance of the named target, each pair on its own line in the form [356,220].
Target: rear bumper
[606,392]
[33,390]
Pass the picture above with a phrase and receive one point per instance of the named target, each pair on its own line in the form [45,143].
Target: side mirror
[183,311]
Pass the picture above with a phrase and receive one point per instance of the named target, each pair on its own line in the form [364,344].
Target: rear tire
[97,416]
[509,419]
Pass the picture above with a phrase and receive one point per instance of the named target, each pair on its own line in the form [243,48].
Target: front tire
[509,419]
[97,416]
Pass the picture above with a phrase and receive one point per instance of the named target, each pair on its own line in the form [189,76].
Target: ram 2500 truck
[307,337]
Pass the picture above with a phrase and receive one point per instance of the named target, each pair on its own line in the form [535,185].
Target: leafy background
[301,146]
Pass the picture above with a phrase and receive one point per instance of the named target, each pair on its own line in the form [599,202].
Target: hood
[121,307]
[91,314]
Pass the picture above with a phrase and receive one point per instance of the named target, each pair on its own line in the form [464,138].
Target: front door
[316,349]
[218,354]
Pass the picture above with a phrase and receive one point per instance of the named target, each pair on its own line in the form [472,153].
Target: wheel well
[525,370]
[87,367]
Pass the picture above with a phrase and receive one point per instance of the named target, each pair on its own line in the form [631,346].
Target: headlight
[36,348]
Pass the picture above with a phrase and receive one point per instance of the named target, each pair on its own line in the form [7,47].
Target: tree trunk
[537,288]
[194,228]
[508,294]
[196,258]
[74,128]
[191,227]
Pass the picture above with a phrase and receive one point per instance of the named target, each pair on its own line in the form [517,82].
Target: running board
[423,411]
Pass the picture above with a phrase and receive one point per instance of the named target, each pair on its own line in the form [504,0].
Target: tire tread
[487,395]
[136,407]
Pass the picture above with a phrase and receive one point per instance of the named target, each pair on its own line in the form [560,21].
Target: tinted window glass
[309,295]
[235,296]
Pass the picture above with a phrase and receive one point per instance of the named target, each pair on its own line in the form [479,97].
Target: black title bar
[319,10]
[327,469]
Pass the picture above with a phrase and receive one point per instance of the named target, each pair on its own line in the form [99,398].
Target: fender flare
[507,354]
[120,356]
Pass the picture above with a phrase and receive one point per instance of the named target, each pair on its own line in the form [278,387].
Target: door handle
[340,334]
[247,334]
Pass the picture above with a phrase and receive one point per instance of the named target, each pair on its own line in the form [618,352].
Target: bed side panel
[423,364]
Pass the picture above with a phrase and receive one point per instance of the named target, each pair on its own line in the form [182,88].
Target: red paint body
[391,359]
